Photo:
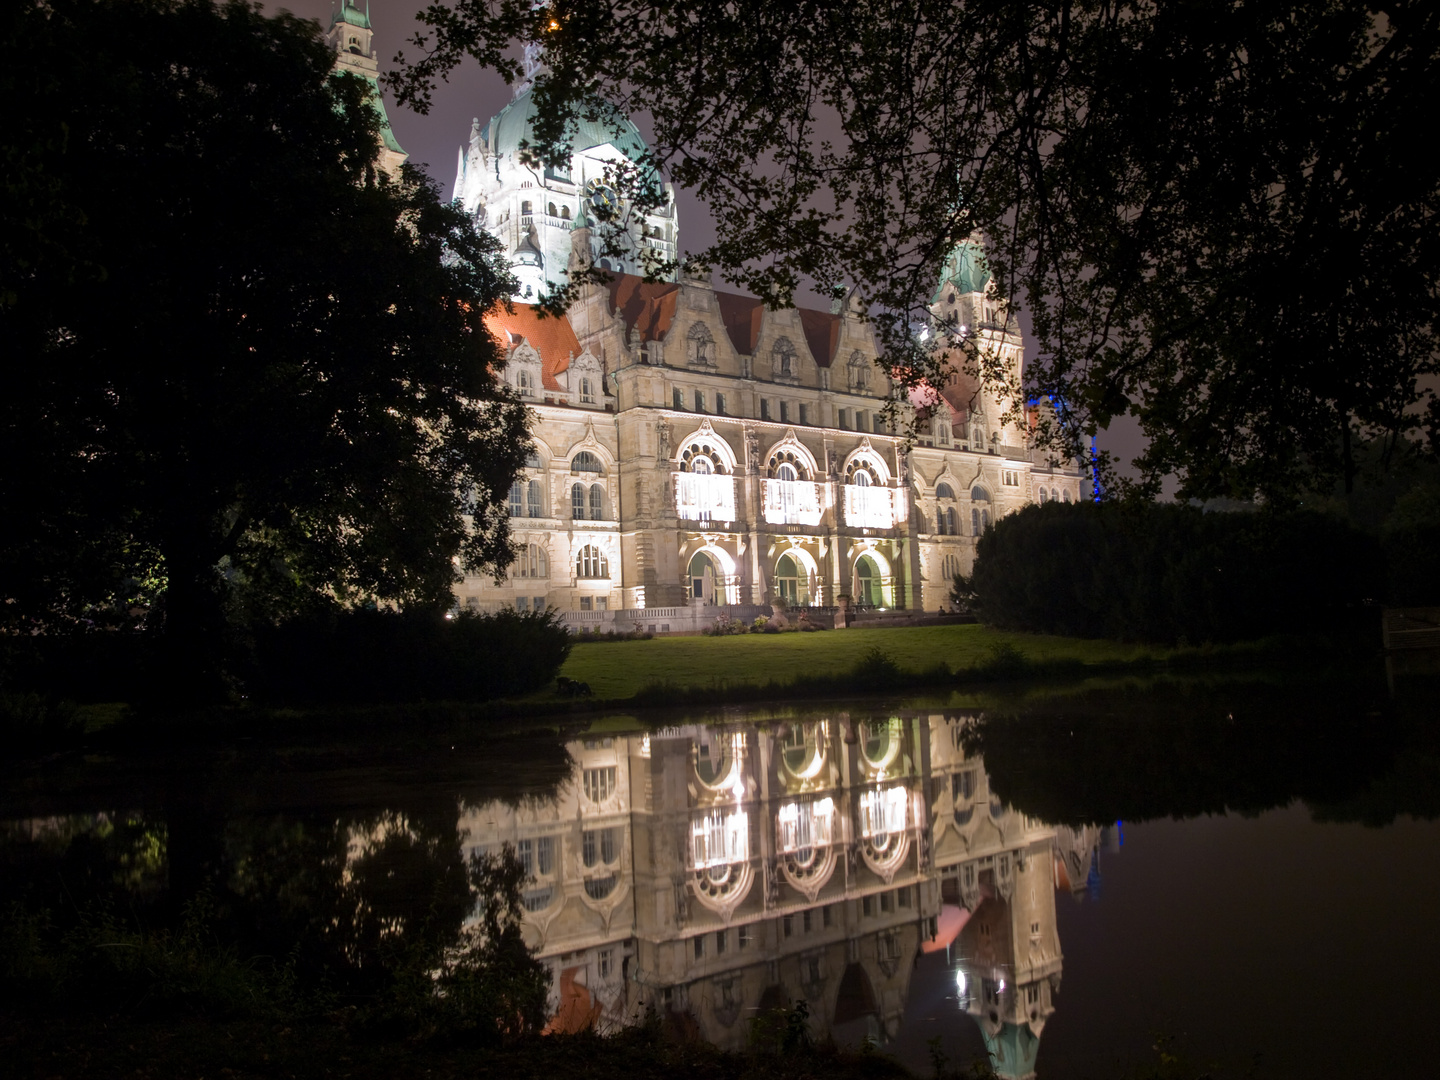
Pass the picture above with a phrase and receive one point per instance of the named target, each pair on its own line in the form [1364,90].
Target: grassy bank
[620,670]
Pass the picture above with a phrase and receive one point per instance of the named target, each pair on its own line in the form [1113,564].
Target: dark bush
[376,656]
[1170,573]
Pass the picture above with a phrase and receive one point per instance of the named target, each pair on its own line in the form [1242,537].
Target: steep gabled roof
[822,332]
[648,306]
[554,339]
[742,316]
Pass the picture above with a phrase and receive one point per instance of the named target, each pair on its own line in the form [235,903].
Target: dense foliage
[1218,217]
[1171,573]
[374,656]
[247,370]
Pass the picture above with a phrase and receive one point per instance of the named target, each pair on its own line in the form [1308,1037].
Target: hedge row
[1168,573]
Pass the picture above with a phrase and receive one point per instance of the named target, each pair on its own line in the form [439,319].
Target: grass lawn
[619,669]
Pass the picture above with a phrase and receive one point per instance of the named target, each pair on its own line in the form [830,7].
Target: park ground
[618,670]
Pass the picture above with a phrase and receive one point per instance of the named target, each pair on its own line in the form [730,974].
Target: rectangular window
[584,603]
[805,921]
[787,925]
[904,896]
[525,852]
[599,783]
[522,603]
[844,419]
[699,400]
[827,916]
[887,902]
[784,412]
[538,602]
[745,938]
[699,947]
[602,603]
[606,962]
[720,404]
[804,413]
[867,905]
[679,398]
[545,855]
[720,943]
[764,408]
[859,419]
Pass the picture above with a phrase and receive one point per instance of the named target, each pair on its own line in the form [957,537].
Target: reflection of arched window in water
[803,827]
[880,743]
[802,750]
[714,759]
[882,816]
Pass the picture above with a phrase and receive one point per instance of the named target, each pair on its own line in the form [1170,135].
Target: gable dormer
[523,369]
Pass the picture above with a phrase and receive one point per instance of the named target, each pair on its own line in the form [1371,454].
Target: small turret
[352,38]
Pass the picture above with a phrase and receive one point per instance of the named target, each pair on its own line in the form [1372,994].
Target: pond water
[1055,879]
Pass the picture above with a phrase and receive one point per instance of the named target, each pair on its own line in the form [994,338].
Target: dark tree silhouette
[244,366]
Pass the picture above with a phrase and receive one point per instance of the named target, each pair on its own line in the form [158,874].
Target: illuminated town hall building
[694,449]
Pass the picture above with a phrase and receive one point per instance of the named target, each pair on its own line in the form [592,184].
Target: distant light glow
[961,983]
[738,788]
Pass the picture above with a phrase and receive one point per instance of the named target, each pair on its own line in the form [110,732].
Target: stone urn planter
[842,611]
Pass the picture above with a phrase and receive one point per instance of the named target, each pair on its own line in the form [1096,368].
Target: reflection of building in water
[721,871]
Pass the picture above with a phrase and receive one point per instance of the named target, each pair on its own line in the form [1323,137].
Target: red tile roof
[552,338]
[822,331]
[742,315]
[648,306]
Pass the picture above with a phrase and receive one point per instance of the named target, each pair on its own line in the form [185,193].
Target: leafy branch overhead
[1218,218]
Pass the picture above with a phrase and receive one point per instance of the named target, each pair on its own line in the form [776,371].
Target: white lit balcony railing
[792,502]
[704,497]
[869,507]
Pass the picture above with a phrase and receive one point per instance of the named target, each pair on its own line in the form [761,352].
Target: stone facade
[692,447]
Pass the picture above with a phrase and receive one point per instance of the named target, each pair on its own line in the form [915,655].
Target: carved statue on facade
[662,440]
[752,450]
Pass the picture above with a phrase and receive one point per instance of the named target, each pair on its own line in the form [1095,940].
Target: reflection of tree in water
[1182,751]
[367,901]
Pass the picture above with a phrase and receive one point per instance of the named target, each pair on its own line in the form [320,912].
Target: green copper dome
[607,125]
[965,269]
[350,13]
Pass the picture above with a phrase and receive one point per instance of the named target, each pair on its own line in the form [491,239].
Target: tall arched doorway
[702,578]
[869,586]
[790,580]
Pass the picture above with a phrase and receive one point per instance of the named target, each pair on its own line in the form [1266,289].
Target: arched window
[517,499]
[699,346]
[979,494]
[525,207]
[565,213]
[587,390]
[950,567]
[782,359]
[786,471]
[524,382]
[788,580]
[534,503]
[577,501]
[944,491]
[977,437]
[974,521]
[532,562]
[585,461]
[702,465]
[591,563]
[946,519]
[552,210]
[532,461]
[597,502]
[1044,495]
[860,478]
[1065,496]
